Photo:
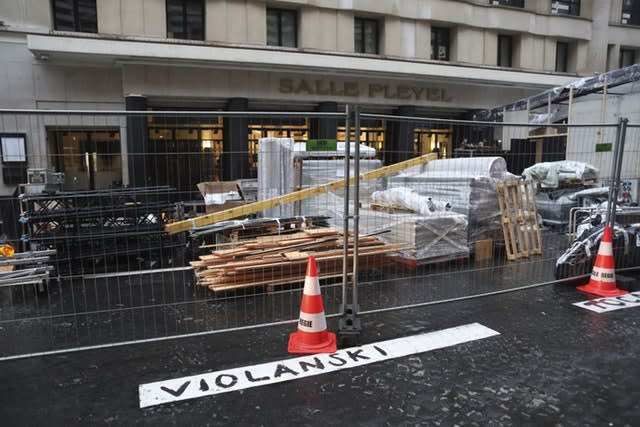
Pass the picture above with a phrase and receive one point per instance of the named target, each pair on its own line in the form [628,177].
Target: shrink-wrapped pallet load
[467,184]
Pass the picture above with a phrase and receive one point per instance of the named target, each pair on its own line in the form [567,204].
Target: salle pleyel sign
[357,89]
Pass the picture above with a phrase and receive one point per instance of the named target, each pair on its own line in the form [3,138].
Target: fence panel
[447,214]
[139,257]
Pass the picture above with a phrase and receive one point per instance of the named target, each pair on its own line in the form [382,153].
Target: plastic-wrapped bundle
[406,198]
[275,173]
[474,197]
[468,184]
[553,174]
[466,167]
[300,151]
[439,236]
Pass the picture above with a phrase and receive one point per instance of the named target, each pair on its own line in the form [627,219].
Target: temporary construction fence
[160,224]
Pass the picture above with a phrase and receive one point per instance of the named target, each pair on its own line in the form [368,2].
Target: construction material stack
[280,260]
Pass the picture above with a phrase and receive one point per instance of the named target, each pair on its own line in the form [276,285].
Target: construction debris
[279,260]
[25,268]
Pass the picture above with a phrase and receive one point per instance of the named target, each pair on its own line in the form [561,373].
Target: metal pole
[614,163]
[356,210]
[349,324]
[345,225]
[617,171]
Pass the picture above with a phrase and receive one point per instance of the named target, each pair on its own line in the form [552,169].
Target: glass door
[90,159]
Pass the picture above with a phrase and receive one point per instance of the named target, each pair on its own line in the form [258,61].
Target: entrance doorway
[183,156]
[90,159]
[433,141]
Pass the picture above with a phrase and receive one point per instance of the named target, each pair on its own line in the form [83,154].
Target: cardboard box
[484,250]
[221,195]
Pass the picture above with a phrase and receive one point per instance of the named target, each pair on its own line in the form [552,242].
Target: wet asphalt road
[552,364]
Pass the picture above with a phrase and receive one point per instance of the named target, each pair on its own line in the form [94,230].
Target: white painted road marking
[235,379]
[602,305]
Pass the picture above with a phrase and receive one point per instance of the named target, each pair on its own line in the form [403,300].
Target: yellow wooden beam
[244,210]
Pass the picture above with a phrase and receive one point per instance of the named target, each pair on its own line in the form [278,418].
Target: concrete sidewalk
[552,364]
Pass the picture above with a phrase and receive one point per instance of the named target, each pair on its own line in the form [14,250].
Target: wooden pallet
[519,218]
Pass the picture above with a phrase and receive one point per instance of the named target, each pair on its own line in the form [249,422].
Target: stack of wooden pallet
[279,260]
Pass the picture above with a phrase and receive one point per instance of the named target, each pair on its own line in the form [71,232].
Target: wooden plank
[519,218]
[295,196]
[509,234]
[532,208]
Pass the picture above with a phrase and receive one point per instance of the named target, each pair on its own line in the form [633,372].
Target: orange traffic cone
[603,277]
[312,335]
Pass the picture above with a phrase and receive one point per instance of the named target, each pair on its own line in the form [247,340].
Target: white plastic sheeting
[467,167]
[439,236]
[300,151]
[554,174]
[275,173]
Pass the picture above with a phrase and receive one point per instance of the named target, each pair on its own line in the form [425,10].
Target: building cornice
[101,50]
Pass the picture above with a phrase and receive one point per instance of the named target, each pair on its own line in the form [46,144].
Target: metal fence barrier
[137,241]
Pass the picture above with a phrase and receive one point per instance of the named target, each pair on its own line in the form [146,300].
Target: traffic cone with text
[603,277]
[312,335]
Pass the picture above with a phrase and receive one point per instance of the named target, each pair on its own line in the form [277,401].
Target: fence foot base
[349,328]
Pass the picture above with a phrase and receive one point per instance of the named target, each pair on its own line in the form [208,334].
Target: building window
[562,53]
[630,12]
[282,28]
[440,43]
[565,7]
[505,51]
[512,3]
[627,57]
[185,19]
[75,15]
[366,35]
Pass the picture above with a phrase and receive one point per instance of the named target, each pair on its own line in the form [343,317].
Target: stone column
[235,149]
[324,128]
[398,141]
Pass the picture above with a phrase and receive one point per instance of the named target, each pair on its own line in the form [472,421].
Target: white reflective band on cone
[312,322]
[606,248]
[311,286]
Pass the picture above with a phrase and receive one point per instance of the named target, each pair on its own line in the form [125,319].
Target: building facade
[432,58]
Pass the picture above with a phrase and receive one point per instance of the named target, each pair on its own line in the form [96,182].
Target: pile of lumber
[279,260]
